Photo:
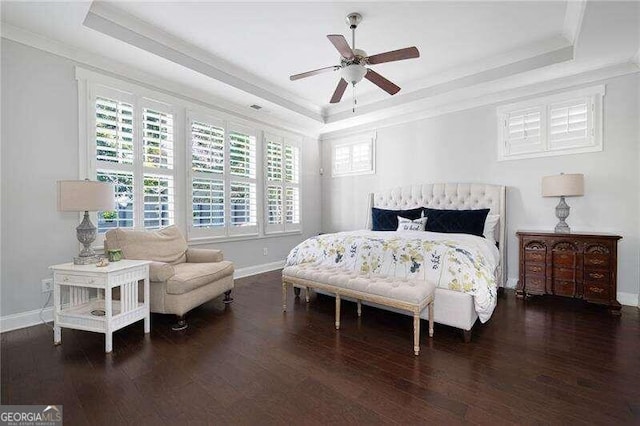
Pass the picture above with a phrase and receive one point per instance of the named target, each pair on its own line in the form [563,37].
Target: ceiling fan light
[353,73]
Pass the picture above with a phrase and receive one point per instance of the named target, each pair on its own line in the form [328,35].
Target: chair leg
[227,297]
[284,296]
[180,325]
[306,294]
[359,307]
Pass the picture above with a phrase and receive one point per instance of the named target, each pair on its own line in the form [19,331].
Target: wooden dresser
[578,265]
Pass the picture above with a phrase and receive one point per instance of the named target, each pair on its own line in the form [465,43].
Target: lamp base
[562,212]
[86,233]
[86,260]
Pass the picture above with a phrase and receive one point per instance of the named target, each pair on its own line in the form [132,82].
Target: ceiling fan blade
[314,72]
[381,82]
[337,95]
[394,55]
[341,44]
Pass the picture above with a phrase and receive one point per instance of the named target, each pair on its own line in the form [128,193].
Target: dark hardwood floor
[541,361]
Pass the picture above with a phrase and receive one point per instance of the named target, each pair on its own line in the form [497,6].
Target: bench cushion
[407,290]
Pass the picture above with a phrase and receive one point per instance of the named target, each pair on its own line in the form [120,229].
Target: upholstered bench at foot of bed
[402,293]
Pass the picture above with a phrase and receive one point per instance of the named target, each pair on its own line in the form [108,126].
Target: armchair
[181,278]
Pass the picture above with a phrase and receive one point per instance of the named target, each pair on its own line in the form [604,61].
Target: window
[282,184]
[567,123]
[118,143]
[353,156]
[173,162]
[223,178]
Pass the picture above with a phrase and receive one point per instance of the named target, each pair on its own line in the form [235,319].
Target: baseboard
[511,283]
[628,299]
[25,319]
[258,269]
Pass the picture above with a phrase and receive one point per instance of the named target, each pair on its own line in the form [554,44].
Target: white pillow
[405,224]
[490,224]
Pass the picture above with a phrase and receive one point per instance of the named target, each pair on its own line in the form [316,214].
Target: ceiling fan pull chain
[355,100]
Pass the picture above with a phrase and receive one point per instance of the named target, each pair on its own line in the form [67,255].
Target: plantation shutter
[242,181]
[207,177]
[282,192]
[158,188]
[114,156]
[569,124]
[523,131]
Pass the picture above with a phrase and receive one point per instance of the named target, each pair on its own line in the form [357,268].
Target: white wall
[461,147]
[40,146]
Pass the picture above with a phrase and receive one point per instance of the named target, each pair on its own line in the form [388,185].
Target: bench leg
[431,319]
[416,333]
[337,312]
[284,296]
[359,307]
[306,294]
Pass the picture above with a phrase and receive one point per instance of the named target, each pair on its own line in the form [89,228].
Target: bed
[453,308]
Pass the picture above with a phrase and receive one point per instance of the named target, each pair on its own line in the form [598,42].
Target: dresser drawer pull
[596,275]
[92,281]
[65,279]
[564,256]
[596,289]
[535,268]
[596,261]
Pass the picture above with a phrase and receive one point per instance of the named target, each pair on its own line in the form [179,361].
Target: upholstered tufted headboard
[452,196]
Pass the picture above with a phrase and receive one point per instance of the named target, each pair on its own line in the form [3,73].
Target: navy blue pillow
[456,221]
[387,220]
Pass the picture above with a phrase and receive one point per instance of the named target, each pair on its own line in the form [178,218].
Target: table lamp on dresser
[85,196]
[571,185]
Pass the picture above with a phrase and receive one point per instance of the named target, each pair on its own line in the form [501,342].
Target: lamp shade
[85,195]
[571,185]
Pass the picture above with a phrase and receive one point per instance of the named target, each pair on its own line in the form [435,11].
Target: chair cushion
[190,276]
[165,245]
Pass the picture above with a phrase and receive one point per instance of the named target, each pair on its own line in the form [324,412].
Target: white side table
[82,293]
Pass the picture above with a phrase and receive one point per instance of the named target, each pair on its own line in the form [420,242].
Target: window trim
[369,138]
[594,97]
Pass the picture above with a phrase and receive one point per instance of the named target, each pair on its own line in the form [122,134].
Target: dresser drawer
[596,276]
[596,291]
[534,255]
[70,279]
[564,288]
[564,258]
[564,274]
[596,259]
[534,284]
[534,268]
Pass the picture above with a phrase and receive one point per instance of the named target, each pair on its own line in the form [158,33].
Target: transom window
[567,123]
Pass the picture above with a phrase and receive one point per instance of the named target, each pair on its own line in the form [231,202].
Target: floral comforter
[459,262]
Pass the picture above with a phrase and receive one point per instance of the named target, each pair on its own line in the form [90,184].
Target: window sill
[231,239]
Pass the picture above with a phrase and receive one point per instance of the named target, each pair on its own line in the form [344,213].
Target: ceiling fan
[353,63]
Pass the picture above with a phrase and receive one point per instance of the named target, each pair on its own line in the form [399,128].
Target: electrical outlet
[265,251]
[47,285]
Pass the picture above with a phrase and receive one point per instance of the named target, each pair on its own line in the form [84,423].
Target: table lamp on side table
[571,185]
[85,196]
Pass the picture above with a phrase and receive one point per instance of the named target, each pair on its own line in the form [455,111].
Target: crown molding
[110,68]
[473,97]
[130,30]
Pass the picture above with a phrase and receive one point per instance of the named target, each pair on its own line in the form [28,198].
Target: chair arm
[160,271]
[195,255]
